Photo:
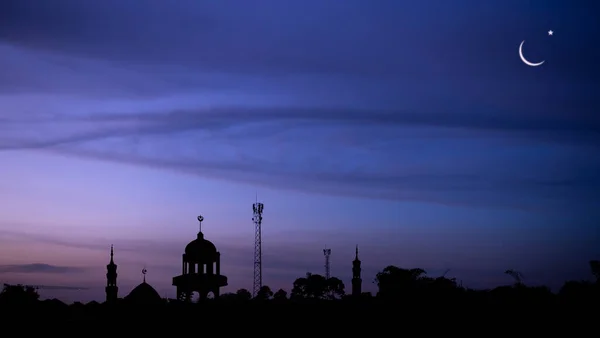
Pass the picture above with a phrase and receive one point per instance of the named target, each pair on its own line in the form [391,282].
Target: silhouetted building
[356,280]
[201,270]
[144,294]
[141,294]
[111,279]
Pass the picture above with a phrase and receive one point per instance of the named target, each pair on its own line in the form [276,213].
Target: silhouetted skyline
[411,129]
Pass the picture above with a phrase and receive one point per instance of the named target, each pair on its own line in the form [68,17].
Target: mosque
[200,272]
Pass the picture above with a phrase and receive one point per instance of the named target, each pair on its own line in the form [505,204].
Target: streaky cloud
[358,139]
[39,268]
[334,151]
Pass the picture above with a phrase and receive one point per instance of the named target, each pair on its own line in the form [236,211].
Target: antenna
[327,253]
[257,210]
[200,219]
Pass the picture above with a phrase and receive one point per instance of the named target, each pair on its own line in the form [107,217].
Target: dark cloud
[227,117]
[217,35]
[212,143]
[388,40]
[235,254]
[349,99]
[60,287]
[39,268]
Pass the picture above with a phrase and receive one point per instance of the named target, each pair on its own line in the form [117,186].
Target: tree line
[394,284]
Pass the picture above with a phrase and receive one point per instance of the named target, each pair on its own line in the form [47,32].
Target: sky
[411,129]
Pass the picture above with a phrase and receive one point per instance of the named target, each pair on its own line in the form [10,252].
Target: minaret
[111,279]
[356,280]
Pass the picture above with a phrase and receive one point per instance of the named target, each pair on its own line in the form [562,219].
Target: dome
[144,294]
[200,249]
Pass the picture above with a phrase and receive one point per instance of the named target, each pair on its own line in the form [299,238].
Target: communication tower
[257,209]
[327,253]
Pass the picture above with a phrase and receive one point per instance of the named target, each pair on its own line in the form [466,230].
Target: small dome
[200,249]
[144,294]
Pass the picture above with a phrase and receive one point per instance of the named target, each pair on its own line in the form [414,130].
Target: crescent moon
[525,60]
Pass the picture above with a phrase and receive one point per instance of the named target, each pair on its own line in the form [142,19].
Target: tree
[312,286]
[228,297]
[518,277]
[366,295]
[315,286]
[579,292]
[243,295]
[335,288]
[393,281]
[280,295]
[264,293]
[18,294]
[444,284]
[595,267]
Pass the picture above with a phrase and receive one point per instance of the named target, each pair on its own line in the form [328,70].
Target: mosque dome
[144,294]
[201,249]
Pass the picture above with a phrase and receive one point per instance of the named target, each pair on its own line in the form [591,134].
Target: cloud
[214,35]
[39,268]
[62,287]
[339,151]
[319,36]
[236,252]
[282,108]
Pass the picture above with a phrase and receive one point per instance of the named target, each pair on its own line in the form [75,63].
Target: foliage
[394,282]
[18,294]
[243,294]
[280,295]
[595,267]
[516,275]
[315,286]
[409,287]
[264,293]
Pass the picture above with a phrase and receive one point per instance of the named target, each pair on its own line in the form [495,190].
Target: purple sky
[411,130]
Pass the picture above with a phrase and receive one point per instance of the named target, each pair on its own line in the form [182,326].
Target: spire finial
[356,251]
[200,219]
[144,273]
[111,254]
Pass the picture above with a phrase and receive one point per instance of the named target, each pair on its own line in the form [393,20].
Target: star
[550,33]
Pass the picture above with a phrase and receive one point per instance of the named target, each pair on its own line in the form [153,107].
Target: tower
[257,209]
[356,280]
[327,253]
[201,269]
[111,279]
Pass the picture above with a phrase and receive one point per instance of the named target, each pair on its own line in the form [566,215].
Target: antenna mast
[327,253]
[257,209]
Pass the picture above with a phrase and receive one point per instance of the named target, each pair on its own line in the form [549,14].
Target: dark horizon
[411,129]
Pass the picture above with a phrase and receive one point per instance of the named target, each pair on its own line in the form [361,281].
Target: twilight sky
[409,128]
